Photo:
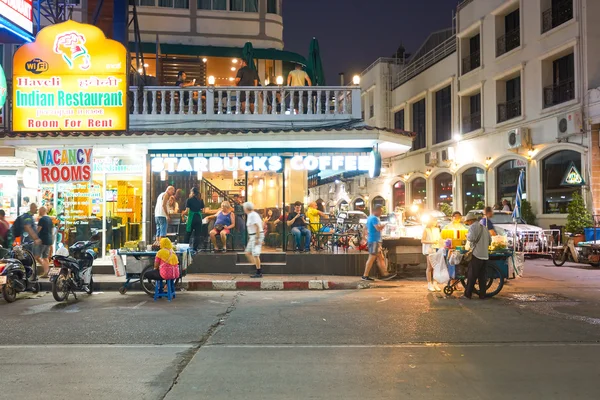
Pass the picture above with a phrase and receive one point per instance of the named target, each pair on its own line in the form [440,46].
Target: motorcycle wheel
[90,287]
[559,258]
[147,284]
[60,288]
[36,287]
[9,293]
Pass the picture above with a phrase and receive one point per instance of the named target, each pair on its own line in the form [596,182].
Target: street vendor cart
[137,263]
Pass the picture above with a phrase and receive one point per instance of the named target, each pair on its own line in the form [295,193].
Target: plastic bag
[117,262]
[440,269]
[455,258]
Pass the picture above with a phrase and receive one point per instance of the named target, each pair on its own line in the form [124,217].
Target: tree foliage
[579,217]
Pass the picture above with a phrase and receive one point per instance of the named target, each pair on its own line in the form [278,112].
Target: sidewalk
[203,282]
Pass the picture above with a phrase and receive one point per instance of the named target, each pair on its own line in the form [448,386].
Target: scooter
[18,273]
[72,270]
[587,254]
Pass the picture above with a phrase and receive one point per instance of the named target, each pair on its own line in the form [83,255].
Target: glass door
[123,210]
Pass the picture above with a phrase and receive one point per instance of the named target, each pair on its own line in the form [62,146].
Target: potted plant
[527,212]
[578,218]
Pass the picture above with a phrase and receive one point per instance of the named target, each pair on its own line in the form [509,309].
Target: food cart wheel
[448,290]
[122,290]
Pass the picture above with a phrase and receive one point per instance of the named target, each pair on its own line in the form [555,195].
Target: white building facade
[511,90]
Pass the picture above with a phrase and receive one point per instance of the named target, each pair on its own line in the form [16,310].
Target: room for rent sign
[70,165]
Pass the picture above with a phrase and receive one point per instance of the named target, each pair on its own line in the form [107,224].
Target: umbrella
[315,65]
[248,55]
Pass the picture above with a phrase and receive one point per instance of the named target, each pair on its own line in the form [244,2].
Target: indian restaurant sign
[65,165]
[72,78]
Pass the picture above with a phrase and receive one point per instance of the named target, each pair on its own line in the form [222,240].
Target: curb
[243,285]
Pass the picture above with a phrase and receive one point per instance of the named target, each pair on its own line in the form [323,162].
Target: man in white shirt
[161,214]
[254,225]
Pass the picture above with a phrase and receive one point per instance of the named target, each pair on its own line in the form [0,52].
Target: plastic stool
[159,292]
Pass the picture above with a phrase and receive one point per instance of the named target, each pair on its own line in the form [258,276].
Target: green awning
[217,51]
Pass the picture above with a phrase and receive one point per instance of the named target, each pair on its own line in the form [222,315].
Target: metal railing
[557,15]
[535,242]
[222,102]
[471,122]
[507,42]
[509,110]
[559,93]
[470,62]
[415,67]
[385,60]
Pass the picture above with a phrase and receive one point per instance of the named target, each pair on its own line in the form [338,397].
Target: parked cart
[137,263]
[496,272]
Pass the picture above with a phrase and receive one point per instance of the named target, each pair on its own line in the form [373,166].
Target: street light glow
[356,80]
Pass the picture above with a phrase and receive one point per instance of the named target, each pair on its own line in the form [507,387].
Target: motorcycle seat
[10,261]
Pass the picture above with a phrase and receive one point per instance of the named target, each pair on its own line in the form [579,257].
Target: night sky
[354,33]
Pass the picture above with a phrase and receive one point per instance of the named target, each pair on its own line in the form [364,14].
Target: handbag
[468,256]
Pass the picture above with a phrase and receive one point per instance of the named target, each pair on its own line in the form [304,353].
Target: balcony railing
[507,42]
[509,110]
[470,62]
[557,15]
[238,106]
[471,122]
[559,93]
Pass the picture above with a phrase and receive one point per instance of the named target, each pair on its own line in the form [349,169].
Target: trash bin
[591,234]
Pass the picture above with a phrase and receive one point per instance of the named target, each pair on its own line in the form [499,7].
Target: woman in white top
[430,242]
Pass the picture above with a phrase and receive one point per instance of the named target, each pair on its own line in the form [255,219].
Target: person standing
[41,252]
[430,243]
[4,229]
[479,239]
[297,78]
[29,233]
[256,236]
[487,221]
[194,207]
[161,213]
[456,223]
[374,228]
[246,76]
[297,221]
[506,205]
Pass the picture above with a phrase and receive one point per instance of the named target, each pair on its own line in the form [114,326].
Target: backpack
[16,230]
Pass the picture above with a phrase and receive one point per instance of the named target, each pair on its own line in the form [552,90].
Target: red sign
[19,12]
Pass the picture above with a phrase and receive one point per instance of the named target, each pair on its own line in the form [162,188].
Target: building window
[556,194]
[473,58]
[473,188]
[418,189]
[443,189]
[443,114]
[174,3]
[377,201]
[562,88]
[147,3]
[399,120]
[472,113]
[244,5]
[507,179]
[559,12]
[212,4]
[399,195]
[358,204]
[371,104]
[512,34]
[418,125]
[511,108]
[272,6]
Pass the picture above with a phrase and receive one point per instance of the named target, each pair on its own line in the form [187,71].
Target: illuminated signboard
[572,176]
[72,78]
[19,12]
[3,88]
[68,165]
[262,163]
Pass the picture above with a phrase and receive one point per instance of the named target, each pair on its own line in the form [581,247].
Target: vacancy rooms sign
[69,165]
[70,79]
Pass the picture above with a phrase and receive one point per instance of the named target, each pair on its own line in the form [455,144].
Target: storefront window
[358,204]
[18,189]
[473,189]
[558,194]
[443,189]
[377,201]
[399,194]
[507,178]
[418,189]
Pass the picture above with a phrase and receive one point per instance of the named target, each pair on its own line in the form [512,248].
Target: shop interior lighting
[235,174]
[488,161]
[231,79]
[211,80]
[250,190]
[271,183]
[243,193]
[204,60]
[235,60]
[163,175]
[356,80]
[233,68]
[199,175]
[146,65]
[414,208]
[279,80]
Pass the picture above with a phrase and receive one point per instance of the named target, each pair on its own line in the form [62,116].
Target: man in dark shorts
[246,77]
[194,207]
[41,252]
[374,228]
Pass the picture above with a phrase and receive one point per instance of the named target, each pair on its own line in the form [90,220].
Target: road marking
[138,305]
[403,345]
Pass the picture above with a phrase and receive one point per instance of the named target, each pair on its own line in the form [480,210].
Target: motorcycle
[587,254]
[72,270]
[18,273]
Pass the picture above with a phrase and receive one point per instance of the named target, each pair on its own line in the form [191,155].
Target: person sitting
[166,263]
[506,205]
[456,223]
[297,221]
[314,217]
[172,206]
[224,223]
[182,82]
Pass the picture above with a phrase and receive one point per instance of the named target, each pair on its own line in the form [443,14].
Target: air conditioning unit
[362,182]
[569,124]
[518,137]
[431,158]
[447,154]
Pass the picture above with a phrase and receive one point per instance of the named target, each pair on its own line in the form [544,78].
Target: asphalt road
[540,339]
